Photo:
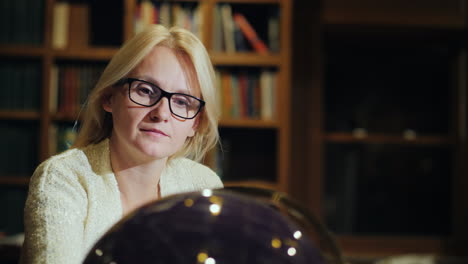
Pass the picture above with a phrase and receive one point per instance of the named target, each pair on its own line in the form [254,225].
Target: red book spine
[250,33]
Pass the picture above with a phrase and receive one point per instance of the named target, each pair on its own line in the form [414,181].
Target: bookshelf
[86,44]
[380,146]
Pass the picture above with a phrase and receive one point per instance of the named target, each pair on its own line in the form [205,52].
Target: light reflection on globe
[209,227]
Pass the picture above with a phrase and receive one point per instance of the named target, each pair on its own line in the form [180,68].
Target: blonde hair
[97,123]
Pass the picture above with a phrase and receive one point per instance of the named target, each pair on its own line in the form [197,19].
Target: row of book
[186,15]
[247,94]
[21,22]
[80,24]
[244,93]
[20,87]
[18,148]
[12,201]
[234,32]
[70,25]
[71,84]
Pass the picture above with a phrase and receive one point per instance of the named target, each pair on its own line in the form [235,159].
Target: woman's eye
[181,102]
[143,90]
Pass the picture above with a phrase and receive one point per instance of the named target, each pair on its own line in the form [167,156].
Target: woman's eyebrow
[149,79]
[154,81]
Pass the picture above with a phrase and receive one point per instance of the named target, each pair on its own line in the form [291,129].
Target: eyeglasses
[148,94]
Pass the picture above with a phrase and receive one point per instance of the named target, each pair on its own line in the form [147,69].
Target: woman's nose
[161,111]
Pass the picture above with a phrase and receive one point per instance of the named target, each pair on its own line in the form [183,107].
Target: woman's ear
[107,103]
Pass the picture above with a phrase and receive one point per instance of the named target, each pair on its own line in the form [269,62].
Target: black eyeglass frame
[168,95]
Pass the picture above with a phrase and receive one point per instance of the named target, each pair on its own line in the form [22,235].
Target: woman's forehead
[170,70]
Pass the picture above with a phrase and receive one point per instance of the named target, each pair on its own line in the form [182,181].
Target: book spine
[227,95]
[197,21]
[243,95]
[266,90]
[165,14]
[274,34]
[228,28]
[218,39]
[219,91]
[250,33]
[235,111]
[61,14]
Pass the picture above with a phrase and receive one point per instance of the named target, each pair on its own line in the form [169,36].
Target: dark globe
[209,227]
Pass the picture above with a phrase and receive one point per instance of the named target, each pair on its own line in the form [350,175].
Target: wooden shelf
[19,115]
[22,50]
[386,139]
[248,123]
[250,1]
[86,53]
[382,246]
[259,184]
[14,180]
[65,117]
[245,59]
[387,19]
[370,30]
[272,163]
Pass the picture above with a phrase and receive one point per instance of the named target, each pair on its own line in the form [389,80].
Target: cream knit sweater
[74,199]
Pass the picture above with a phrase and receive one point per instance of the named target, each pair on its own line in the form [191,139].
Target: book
[219,90]
[21,22]
[37,22]
[20,136]
[228,28]
[267,91]
[178,15]
[71,84]
[12,202]
[165,14]
[243,95]
[247,94]
[274,33]
[250,33]
[253,95]
[78,26]
[145,14]
[227,94]
[235,92]
[239,39]
[61,13]
[197,21]
[218,37]
[21,85]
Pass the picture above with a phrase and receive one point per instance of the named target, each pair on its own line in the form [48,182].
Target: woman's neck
[138,181]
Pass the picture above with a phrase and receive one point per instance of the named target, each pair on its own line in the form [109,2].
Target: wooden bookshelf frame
[311,135]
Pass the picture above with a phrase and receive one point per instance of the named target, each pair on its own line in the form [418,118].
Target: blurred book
[250,33]
[61,13]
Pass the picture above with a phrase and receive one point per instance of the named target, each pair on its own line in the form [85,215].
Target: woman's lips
[154,131]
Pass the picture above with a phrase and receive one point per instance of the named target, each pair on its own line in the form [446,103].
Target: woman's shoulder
[65,166]
[54,172]
[185,164]
[72,160]
[195,172]
[62,161]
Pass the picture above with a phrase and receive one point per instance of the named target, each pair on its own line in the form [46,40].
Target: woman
[152,109]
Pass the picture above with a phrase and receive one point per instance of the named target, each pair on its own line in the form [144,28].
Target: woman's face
[148,133]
